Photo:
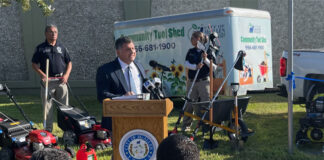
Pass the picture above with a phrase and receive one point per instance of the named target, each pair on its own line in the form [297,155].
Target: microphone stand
[162,89]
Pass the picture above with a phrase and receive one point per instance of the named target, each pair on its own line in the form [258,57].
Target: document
[132,97]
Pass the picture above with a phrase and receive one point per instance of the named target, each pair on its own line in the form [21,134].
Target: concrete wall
[308,27]
[167,7]
[13,65]
[86,29]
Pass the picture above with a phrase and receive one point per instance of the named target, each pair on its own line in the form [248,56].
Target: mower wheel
[69,138]
[108,145]
[103,146]
[301,137]
[70,151]
[100,146]
[6,154]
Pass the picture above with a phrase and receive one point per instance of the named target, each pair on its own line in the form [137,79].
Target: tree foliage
[44,5]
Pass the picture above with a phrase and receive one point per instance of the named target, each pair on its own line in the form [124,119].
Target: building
[86,29]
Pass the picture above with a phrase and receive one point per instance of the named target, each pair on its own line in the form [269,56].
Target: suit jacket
[111,82]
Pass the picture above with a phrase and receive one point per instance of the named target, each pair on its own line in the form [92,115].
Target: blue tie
[131,81]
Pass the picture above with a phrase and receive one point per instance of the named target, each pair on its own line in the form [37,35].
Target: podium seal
[138,144]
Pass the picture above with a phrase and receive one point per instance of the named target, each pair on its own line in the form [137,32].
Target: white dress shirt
[137,79]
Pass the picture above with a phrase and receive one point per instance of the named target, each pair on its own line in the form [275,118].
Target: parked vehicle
[306,63]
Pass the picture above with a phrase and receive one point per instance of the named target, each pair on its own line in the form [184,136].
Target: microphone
[157,82]
[150,87]
[155,64]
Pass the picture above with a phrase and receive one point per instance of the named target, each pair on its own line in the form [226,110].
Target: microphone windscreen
[157,80]
[148,84]
[153,63]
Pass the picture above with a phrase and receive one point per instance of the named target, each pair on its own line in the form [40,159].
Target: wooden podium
[128,115]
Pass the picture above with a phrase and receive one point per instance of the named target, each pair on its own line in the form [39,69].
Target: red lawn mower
[79,127]
[19,139]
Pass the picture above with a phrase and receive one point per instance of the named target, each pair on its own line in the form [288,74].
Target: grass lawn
[266,114]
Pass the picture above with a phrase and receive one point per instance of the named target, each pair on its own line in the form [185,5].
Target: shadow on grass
[31,106]
[267,97]
[270,140]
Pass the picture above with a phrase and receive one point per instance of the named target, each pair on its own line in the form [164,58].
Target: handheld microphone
[150,87]
[157,82]
[155,64]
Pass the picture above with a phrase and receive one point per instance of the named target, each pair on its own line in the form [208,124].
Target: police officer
[60,67]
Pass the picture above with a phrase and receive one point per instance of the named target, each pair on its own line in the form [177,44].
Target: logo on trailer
[254,28]
[138,144]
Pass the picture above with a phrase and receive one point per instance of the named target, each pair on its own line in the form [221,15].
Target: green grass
[266,114]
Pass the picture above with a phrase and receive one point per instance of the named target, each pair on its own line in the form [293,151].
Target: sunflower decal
[154,74]
[173,68]
[180,68]
[159,69]
[175,79]
[176,74]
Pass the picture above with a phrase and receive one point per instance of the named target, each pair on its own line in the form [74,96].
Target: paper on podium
[131,97]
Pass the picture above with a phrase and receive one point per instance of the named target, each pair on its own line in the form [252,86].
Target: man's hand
[204,55]
[43,77]
[129,93]
[65,78]
[67,73]
[199,65]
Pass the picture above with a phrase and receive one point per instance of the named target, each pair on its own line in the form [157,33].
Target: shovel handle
[46,94]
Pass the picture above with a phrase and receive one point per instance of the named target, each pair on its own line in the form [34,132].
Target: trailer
[166,40]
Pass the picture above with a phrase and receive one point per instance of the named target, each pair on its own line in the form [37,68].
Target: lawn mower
[312,125]
[19,139]
[79,126]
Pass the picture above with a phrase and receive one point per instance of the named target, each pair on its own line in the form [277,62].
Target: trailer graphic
[166,40]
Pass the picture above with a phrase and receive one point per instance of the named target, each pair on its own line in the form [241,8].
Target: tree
[44,5]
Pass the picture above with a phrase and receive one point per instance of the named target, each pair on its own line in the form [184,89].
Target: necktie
[131,82]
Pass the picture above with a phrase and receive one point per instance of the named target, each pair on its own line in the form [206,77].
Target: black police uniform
[194,57]
[58,58]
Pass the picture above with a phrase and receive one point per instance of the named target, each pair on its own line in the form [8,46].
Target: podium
[137,124]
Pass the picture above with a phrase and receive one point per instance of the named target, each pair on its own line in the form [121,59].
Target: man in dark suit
[120,77]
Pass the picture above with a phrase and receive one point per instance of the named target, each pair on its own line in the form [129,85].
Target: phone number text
[154,47]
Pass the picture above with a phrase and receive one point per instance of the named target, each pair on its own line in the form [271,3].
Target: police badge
[59,50]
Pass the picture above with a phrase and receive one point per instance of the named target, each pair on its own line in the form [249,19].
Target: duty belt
[198,80]
[57,75]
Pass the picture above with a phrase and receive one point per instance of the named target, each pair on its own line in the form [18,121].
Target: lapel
[120,75]
[141,70]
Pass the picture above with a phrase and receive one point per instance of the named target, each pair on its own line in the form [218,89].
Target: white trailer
[166,40]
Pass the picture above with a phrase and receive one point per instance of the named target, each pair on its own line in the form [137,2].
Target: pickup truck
[306,63]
